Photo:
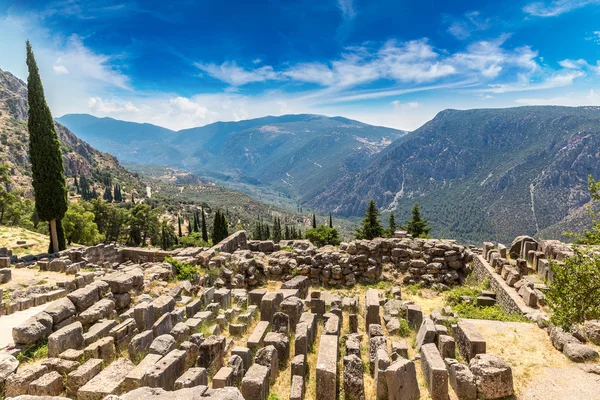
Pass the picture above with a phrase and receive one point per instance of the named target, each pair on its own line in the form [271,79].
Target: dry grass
[310,391]
[36,242]
[282,384]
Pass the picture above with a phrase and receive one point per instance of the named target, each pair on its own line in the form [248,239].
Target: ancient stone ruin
[272,318]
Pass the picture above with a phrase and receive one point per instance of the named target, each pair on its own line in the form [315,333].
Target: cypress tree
[276,230]
[417,226]
[196,221]
[330,221]
[370,226]
[224,228]
[392,225]
[204,230]
[179,226]
[47,169]
[190,230]
[314,222]
[108,195]
[76,184]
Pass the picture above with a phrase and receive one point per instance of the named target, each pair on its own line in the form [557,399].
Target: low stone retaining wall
[507,297]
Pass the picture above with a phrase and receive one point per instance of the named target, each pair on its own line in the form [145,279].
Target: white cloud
[555,8]
[463,27]
[554,81]
[234,75]
[398,106]
[100,106]
[60,69]
[347,9]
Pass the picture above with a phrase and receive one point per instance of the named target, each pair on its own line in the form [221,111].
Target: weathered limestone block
[299,365]
[103,348]
[163,325]
[237,369]
[181,332]
[108,381]
[354,388]
[297,388]
[255,384]
[17,384]
[162,345]
[255,341]
[76,379]
[353,345]
[470,341]
[101,309]
[280,323]
[281,342]
[245,354]
[434,371]
[143,313]
[84,298]
[375,343]
[592,330]
[301,283]
[192,350]
[401,378]
[123,333]
[33,329]
[255,296]
[60,310]
[372,308]
[69,337]
[63,367]
[223,378]
[98,331]
[161,305]
[327,367]
[414,316]
[50,384]
[165,372]
[293,307]
[493,377]
[317,306]
[8,365]
[461,380]
[399,349]
[311,321]
[427,333]
[211,353]
[269,305]
[191,378]
[140,344]
[560,338]
[332,326]
[134,378]
[381,364]
[301,339]
[446,346]
[269,357]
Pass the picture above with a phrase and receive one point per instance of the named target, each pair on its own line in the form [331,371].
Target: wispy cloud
[102,106]
[463,27]
[590,98]
[555,8]
[235,75]
[557,80]
[347,9]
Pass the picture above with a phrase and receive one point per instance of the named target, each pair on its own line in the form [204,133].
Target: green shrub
[183,271]
[404,330]
[453,296]
[36,352]
[323,236]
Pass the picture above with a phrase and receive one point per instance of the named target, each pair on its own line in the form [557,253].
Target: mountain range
[485,174]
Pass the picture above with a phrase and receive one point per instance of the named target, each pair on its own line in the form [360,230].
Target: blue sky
[395,63]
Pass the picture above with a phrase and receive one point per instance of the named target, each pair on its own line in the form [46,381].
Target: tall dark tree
[417,226]
[330,221]
[47,169]
[370,226]
[220,230]
[179,226]
[196,221]
[76,184]
[190,229]
[108,194]
[277,230]
[204,229]
[391,225]
[314,221]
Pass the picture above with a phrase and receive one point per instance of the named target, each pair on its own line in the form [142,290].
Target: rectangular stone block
[327,367]
[414,316]
[297,388]
[372,306]
[426,334]
[470,341]
[165,372]
[434,371]
[255,384]
[245,354]
[255,341]
[401,378]
[134,378]
[83,374]
[446,346]
[98,331]
[311,322]
[107,382]
[301,339]
[193,377]
[223,378]
[269,305]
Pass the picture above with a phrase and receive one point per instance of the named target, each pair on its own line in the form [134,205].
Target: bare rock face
[493,377]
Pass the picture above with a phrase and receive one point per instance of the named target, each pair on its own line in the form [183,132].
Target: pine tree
[314,221]
[204,230]
[108,195]
[47,169]
[330,221]
[370,225]
[417,226]
[391,225]
[276,230]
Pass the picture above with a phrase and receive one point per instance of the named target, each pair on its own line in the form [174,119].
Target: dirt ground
[539,370]
[23,277]
[36,243]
